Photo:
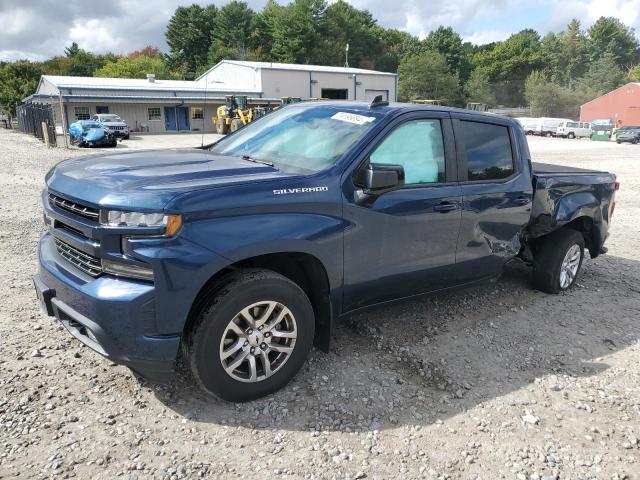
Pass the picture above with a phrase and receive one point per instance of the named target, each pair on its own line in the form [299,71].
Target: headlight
[116,218]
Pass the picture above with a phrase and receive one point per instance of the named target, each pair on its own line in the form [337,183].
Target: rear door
[403,242]
[496,193]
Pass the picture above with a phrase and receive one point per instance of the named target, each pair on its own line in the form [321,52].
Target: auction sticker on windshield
[353,118]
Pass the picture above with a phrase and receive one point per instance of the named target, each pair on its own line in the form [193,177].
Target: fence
[31,117]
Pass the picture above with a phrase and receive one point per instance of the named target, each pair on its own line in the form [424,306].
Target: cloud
[38,29]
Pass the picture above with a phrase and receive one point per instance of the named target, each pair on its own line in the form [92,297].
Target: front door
[404,241]
[183,118]
[170,123]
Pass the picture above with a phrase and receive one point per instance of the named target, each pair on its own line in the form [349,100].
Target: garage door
[371,94]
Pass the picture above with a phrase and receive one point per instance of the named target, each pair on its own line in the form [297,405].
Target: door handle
[445,207]
[521,200]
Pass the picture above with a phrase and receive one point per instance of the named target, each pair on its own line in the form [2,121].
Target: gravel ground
[496,382]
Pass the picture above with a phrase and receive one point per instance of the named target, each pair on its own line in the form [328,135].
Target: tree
[547,98]
[609,35]
[567,54]
[509,63]
[396,46]
[348,25]
[296,30]
[479,88]
[603,76]
[17,81]
[147,51]
[426,76]
[189,35]
[232,32]
[72,50]
[634,74]
[449,43]
[139,67]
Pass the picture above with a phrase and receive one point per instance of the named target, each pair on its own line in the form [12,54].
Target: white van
[528,124]
[574,130]
[548,126]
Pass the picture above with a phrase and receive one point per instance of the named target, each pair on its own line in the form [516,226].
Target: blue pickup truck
[239,257]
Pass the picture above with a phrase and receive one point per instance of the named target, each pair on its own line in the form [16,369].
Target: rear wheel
[558,261]
[252,335]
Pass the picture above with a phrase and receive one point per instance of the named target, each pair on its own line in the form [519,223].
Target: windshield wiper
[256,160]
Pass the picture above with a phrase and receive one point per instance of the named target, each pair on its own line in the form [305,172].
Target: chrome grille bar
[74,207]
[83,261]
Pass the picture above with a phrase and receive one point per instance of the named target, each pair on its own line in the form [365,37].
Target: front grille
[85,262]
[74,207]
[115,127]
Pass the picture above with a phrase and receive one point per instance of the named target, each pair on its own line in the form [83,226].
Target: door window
[489,155]
[418,146]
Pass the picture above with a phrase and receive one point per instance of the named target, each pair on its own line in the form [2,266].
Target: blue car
[239,257]
[89,133]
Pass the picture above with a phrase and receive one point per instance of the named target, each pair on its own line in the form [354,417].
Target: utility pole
[346,56]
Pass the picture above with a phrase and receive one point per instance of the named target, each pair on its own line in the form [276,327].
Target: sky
[39,29]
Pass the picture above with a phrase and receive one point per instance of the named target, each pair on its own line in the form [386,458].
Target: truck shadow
[423,361]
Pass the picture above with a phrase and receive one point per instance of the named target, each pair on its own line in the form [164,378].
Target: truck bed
[564,194]
[541,169]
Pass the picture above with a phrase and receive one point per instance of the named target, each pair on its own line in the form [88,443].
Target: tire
[618,142]
[221,126]
[211,335]
[126,137]
[548,134]
[548,272]
[571,135]
[236,123]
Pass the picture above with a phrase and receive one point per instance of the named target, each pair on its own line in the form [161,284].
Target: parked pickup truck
[240,256]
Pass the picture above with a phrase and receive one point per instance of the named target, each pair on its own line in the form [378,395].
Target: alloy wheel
[569,267]
[258,341]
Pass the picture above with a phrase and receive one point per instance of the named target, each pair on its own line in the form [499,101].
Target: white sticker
[352,118]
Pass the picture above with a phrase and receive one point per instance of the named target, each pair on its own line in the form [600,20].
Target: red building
[621,106]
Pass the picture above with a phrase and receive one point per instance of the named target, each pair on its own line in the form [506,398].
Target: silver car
[114,124]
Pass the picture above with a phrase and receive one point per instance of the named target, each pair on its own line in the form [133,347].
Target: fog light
[121,269]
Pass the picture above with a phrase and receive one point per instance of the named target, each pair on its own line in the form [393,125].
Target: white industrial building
[158,106]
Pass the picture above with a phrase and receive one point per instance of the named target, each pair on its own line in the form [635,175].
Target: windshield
[110,118]
[306,138]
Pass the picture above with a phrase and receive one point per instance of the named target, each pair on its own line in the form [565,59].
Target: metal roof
[102,83]
[296,67]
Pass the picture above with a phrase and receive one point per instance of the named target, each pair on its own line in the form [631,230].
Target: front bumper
[107,314]
[119,133]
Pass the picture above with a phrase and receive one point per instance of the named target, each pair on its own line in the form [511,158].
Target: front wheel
[558,260]
[221,126]
[252,335]
[571,136]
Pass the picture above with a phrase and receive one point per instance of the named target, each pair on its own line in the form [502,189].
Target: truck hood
[150,179]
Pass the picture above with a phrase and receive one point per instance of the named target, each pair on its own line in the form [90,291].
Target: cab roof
[393,108]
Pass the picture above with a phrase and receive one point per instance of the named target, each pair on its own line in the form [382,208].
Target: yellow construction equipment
[233,114]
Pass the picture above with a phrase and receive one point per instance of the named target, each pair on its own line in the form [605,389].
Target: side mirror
[378,178]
